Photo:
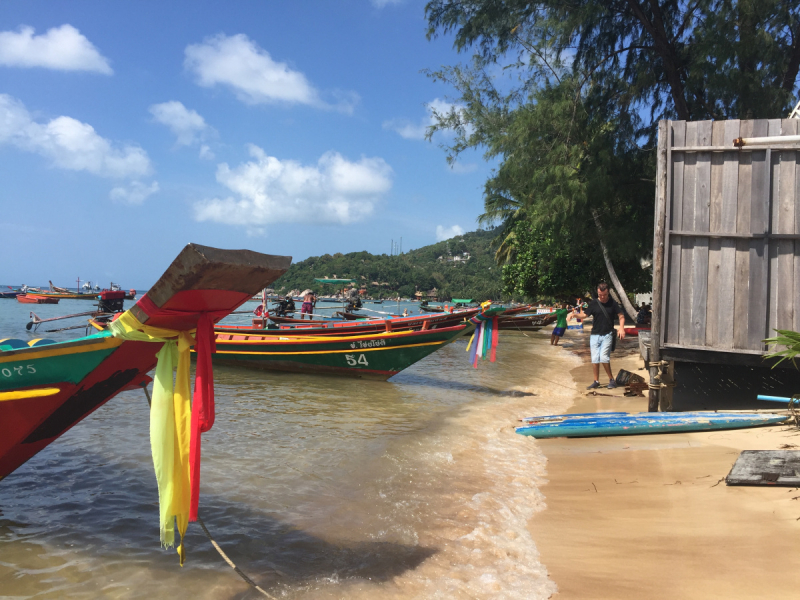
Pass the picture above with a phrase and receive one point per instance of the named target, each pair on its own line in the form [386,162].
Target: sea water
[314,486]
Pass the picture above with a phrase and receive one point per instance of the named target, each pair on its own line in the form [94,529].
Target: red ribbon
[202,403]
[495,338]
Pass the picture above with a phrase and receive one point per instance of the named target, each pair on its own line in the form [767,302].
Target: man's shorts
[601,348]
[306,308]
[559,331]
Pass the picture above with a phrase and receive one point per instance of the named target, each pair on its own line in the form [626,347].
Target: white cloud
[69,143]
[134,194]
[268,191]
[62,48]
[384,3]
[443,233]
[187,125]
[206,153]
[411,130]
[242,65]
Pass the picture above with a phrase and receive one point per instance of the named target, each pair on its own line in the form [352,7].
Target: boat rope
[231,564]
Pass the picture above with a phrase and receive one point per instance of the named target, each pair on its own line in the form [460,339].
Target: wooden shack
[726,252]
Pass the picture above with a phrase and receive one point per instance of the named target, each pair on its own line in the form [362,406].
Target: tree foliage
[566,94]
[421,269]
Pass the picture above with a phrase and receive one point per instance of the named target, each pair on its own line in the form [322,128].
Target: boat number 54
[353,361]
[18,370]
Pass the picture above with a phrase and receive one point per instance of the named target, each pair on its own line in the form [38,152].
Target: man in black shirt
[603,310]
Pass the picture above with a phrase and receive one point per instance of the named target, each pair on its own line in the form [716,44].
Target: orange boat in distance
[36,299]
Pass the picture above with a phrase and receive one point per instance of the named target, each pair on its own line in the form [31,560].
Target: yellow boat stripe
[21,394]
[48,351]
[348,351]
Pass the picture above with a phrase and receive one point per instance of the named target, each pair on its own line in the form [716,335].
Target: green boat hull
[377,356]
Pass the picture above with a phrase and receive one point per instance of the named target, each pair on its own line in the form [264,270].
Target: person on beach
[562,315]
[603,309]
[643,316]
[308,304]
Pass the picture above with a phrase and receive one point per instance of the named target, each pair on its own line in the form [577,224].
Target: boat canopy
[462,300]
[326,280]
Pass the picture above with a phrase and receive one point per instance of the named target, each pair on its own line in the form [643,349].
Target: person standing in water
[562,316]
[308,305]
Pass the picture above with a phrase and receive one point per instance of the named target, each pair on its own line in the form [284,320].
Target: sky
[129,129]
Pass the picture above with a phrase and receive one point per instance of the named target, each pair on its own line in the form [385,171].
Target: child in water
[562,315]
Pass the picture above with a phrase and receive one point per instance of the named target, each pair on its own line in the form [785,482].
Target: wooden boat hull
[36,299]
[325,328]
[601,425]
[69,295]
[375,356]
[432,309]
[10,294]
[46,388]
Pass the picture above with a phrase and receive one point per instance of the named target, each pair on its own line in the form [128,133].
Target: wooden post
[658,262]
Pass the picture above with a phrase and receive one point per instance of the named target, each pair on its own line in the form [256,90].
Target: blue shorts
[601,348]
[559,331]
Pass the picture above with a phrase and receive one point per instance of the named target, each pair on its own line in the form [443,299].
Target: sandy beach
[651,517]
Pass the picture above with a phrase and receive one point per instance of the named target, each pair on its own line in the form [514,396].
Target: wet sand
[649,517]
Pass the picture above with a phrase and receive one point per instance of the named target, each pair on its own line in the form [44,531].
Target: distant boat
[293,327]
[11,293]
[36,299]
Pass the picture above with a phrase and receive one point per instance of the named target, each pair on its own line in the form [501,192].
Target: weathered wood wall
[731,268]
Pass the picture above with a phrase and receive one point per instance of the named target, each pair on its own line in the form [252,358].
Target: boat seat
[12,344]
[40,342]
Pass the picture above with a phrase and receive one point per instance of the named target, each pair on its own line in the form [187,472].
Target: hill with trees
[461,267]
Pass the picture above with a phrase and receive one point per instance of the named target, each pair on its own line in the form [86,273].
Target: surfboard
[606,424]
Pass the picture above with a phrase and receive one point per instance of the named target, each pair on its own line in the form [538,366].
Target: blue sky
[130,129]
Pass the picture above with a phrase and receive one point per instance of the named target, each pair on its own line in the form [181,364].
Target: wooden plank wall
[729,293]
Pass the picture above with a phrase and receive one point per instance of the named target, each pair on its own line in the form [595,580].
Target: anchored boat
[372,356]
[47,387]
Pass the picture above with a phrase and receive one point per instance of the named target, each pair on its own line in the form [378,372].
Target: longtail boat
[372,356]
[299,327]
[10,293]
[47,387]
[36,299]
[431,309]
[525,322]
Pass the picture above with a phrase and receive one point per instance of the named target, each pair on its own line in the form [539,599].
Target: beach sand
[651,517]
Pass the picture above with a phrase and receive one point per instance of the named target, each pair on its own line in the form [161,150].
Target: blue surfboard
[605,424]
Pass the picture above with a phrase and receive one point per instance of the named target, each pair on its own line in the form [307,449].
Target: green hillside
[454,275]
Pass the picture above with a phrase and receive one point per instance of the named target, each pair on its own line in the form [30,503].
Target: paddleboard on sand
[609,424]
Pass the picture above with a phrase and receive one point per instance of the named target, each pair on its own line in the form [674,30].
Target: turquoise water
[316,487]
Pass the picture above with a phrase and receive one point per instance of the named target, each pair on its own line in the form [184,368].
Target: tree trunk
[626,304]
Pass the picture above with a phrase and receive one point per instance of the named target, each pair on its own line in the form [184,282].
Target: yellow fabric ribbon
[170,420]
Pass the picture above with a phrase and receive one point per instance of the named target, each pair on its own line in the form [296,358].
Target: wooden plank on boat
[239,272]
[766,467]
[730,184]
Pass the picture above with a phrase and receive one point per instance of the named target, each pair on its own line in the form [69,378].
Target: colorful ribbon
[484,339]
[175,423]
